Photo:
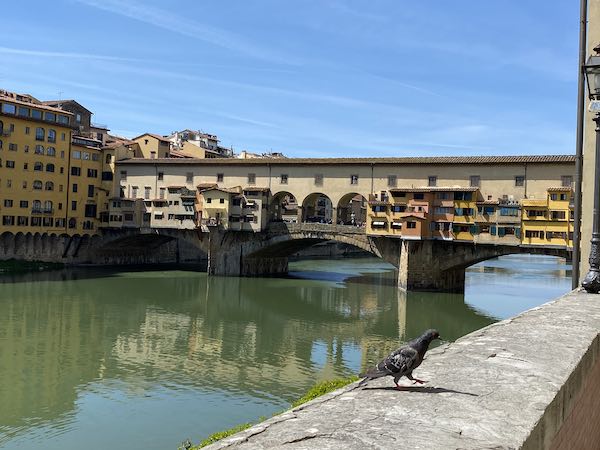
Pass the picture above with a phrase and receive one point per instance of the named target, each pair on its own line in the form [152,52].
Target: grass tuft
[223,434]
[323,388]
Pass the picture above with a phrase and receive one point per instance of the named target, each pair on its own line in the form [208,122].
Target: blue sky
[310,78]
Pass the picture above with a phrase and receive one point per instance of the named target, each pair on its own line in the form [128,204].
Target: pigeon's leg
[396,379]
[414,380]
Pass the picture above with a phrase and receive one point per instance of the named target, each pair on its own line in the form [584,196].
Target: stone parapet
[529,382]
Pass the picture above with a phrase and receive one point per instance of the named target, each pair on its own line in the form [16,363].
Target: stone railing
[530,382]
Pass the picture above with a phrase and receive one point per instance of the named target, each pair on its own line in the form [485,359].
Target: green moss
[316,391]
[16,266]
[323,388]
[223,434]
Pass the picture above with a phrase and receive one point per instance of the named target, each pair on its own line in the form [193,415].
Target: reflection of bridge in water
[422,264]
[205,333]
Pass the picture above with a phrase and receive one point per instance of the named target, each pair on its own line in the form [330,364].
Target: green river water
[98,359]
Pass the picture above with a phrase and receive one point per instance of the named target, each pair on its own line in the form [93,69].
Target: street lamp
[591,282]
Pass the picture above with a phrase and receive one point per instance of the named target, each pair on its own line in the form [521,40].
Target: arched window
[51,135]
[36,205]
[37,185]
[49,186]
[49,167]
[48,206]
[39,134]
[38,166]
[108,158]
[51,151]
[39,149]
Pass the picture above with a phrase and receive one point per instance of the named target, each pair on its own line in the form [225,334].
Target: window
[23,221]
[418,195]
[86,156]
[152,155]
[134,191]
[283,179]
[8,183]
[49,186]
[432,181]
[474,180]
[520,180]
[90,190]
[78,118]
[39,134]
[92,173]
[460,195]
[76,171]
[49,167]
[147,190]
[161,176]
[108,158]
[566,180]
[398,208]
[51,151]
[23,204]
[95,157]
[535,213]
[23,111]
[319,179]
[251,178]
[10,164]
[74,187]
[52,136]
[24,184]
[63,120]
[221,200]
[36,114]
[563,197]
[123,175]
[8,108]
[411,225]
[12,147]
[189,177]
[107,176]
[76,154]
[27,130]
[8,203]
[162,192]
[39,150]
[558,215]
[392,180]
[209,200]
[8,220]
[37,185]
[50,117]
[74,205]
[90,211]
[220,177]
[25,166]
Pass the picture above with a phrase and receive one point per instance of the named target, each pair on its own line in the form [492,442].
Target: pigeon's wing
[397,363]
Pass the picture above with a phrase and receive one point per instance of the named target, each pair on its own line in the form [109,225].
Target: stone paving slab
[487,390]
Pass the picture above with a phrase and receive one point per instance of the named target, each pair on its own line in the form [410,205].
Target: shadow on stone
[420,390]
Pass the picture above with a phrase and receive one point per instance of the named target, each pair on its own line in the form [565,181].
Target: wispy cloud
[167,20]
[70,55]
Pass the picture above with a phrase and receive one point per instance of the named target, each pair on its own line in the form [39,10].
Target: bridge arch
[283,207]
[352,209]
[317,207]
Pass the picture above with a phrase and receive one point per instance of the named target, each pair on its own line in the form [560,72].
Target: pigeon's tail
[373,373]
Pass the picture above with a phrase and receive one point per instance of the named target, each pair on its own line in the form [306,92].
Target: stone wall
[530,382]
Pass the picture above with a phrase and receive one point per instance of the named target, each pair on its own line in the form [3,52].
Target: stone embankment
[530,382]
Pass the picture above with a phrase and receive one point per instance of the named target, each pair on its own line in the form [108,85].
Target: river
[97,359]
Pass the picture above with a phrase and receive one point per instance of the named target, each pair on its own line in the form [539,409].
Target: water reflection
[184,355]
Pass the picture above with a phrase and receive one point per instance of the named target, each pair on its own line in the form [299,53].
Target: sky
[310,78]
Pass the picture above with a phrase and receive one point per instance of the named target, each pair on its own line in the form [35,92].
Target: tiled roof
[56,103]
[8,96]
[488,202]
[155,136]
[257,189]
[522,159]
[560,189]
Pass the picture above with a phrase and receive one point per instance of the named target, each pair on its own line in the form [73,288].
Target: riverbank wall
[530,382]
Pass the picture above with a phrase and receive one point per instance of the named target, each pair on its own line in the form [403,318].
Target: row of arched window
[50,151]
[37,205]
[38,185]
[40,134]
[38,166]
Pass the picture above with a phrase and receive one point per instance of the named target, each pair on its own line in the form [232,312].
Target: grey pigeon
[403,361]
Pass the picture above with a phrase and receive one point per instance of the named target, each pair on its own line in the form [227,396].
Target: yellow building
[35,144]
[465,209]
[548,221]
[152,146]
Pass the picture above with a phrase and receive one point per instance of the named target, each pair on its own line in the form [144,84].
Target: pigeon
[403,361]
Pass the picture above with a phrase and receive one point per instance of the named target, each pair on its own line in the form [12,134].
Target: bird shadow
[420,390]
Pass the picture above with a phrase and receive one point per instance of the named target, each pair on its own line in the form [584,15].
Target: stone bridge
[422,265]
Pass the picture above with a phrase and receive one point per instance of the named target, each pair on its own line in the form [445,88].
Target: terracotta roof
[488,202]
[206,185]
[55,104]
[40,105]
[257,189]
[367,161]
[378,203]
[155,136]
[560,189]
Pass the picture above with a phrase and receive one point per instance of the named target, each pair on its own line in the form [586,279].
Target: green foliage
[15,266]
[223,434]
[316,391]
[323,388]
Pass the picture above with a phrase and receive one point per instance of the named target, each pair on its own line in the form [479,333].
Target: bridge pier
[421,268]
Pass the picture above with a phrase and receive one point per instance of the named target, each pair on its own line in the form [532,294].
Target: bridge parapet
[529,382]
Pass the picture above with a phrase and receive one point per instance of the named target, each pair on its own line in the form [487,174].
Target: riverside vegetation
[316,391]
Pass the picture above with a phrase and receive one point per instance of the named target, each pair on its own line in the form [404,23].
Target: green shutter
[493,230]
[518,232]
[474,229]
[501,231]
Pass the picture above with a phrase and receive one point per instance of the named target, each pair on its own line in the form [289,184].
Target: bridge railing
[282,227]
